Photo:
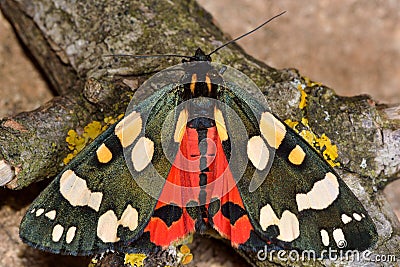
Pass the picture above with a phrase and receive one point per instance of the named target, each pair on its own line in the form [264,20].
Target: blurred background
[352,46]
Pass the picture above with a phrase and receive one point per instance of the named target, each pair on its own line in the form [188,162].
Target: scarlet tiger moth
[266,187]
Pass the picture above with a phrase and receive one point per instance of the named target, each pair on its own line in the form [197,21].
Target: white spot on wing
[267,217]
[142,153]
[288,227]
[107,227]
[221,127]
[272,129]
[51,214]
[39,212]
[288,224]
[7,173]
[129,218]
[324,237]
[180,126]
[321,195]
[108,223]
[57,232]
[346,219]
[95,200]
[357,217]
[258,152]
[70,234]
[128,129]
[339,237]
[75,190]
[33,210]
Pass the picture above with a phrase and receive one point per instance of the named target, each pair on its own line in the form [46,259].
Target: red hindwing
[171,221]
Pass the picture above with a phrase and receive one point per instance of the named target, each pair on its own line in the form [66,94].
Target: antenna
[247,33]
[146,56]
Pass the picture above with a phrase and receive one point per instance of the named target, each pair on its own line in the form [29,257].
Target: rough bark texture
[69,41]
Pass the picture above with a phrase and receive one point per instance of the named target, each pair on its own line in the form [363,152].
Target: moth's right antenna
[247,33]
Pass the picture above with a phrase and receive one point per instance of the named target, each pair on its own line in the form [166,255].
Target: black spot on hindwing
[169,214]
[232,211]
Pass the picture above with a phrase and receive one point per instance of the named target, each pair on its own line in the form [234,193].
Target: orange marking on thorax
[208,82]
[193,83]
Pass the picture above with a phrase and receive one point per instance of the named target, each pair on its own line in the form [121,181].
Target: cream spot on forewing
[346,219]
[267,217]
[57,232]
[128,129]
[258,152]
[324,237]
[108,223]
[142,153]
[75,190]
[107,227]
[272,129]
[39,212]
[104,154]
[288,225]
[339,237]
[221,127]
[70,234]
[297,155]
[357,217]
[363,215]
[181,126]
[51,214]
[321,195]
[33,210]
[95,200]
[129,218]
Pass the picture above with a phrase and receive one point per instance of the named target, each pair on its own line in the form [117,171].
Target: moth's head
[199,55]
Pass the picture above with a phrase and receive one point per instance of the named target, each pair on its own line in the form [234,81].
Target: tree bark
[69,42]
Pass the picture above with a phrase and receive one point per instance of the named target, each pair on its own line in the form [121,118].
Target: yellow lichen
[76,142]
[185,255]
[135,260]
[303,97]
[292,124]
[93,262]
[184,249]
[187,259]
[322,144]
[308,136]
[110,121]
[330,152]
[310,83]
[92,130]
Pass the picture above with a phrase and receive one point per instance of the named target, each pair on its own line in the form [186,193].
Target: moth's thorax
[201,80]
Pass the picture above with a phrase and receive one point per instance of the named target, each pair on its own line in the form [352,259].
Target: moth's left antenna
[147,56]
